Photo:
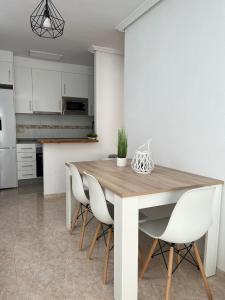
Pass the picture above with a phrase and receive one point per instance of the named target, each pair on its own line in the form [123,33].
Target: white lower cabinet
[26,161]
[26,165]
[26,174]
[26,157]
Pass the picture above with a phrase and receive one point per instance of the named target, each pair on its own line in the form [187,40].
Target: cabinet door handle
[26,166]
[27,148]
[27,156]
[64,89]
[59,105]
[9,74]
[30,104]
[35,107]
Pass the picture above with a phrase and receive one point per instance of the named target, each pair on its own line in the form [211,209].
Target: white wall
[108,118]
[174,88]
[109,72]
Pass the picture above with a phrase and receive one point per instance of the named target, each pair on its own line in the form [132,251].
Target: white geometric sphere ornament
[142,161]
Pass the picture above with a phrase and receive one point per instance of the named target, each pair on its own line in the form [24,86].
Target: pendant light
[46,21]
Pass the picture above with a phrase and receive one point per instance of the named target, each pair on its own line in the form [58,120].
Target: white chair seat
[142,218]
[154,228]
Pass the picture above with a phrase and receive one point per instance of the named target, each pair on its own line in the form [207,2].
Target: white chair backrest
[77,186]
[191,217]
[97,200]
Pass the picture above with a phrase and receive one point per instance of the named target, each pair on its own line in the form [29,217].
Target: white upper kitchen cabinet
[91,96]
[47,93]
[6,67]
[23,90]
[75,85]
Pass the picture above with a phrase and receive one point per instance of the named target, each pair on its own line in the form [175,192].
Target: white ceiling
[87,22]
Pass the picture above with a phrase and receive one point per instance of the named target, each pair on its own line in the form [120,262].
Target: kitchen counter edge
[66,141]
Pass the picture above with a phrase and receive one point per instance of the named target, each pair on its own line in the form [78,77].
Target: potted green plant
[92,136]
[122,148]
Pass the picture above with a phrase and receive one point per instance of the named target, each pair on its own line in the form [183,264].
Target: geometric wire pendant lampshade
[46,21]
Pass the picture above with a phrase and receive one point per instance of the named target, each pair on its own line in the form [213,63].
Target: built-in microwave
[75,106]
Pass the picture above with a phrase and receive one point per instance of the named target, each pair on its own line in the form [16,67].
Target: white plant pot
[121,162]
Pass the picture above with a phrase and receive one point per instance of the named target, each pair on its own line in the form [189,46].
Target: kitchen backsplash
[52,126]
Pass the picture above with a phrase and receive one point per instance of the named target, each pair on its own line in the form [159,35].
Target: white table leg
[70,201]
[212,237]
[126,248]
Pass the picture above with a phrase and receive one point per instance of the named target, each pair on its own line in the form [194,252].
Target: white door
[23,90]
[91,96]
[47,93]
[6,72]
[75,85]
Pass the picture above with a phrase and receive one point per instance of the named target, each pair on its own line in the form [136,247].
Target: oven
[39,160]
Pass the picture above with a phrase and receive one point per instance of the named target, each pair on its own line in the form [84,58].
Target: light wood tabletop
[126,183]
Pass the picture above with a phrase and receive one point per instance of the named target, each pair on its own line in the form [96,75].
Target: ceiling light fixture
[46,21]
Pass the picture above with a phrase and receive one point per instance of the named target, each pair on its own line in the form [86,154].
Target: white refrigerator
[8,165]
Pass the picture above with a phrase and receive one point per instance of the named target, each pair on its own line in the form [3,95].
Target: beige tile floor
[39,259]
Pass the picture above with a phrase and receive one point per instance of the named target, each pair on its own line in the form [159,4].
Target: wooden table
[130,192]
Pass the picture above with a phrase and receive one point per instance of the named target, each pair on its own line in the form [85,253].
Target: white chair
[189,221]
[83,207]
[101,211]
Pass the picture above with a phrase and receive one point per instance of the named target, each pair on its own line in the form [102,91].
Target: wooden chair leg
[94,240]
[145,267]
[107,251]
[83,228]
[170,271]
[202,271]
[75,217]
[140,257]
